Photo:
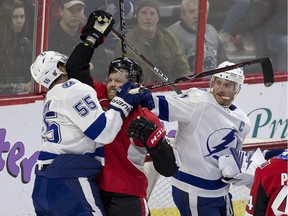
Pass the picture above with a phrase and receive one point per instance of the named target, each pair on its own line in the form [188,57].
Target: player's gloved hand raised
[98,26]
[146,131]
[123,101]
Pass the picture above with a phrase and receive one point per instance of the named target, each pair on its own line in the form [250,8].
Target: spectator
[276,34]
[15,49]
[268,195]
[208,126]
[231,35]
[29,6]
[186,33]
[65,32]
[123,181]
[157,44]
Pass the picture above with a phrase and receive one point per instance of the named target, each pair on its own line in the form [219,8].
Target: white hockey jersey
[206,130]
[73,121]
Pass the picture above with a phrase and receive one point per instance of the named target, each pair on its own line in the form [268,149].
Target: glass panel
[237,31]
[16,39]
[252,29]
[66,22]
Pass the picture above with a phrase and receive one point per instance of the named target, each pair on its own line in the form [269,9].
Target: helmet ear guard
[45,68]
[134,70]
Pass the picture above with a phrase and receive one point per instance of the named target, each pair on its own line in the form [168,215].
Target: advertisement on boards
[20,139]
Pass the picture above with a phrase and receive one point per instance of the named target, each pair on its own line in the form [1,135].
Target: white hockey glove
[230,165]
[98,26]
[245,164]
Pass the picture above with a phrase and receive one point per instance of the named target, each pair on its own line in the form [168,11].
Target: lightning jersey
[205,131]
[269,193]
[73,121]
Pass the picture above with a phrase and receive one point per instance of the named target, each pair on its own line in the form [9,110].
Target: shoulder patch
[265,164]
[68,83]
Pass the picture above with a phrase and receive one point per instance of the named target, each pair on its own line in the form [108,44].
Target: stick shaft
[266,65]
[156,70]
[122,27]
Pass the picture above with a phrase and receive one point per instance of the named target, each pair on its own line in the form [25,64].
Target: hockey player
[268,195]
[73,121]
[208,125]
[123,181]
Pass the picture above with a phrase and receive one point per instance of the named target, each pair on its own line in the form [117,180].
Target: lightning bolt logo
[223,143]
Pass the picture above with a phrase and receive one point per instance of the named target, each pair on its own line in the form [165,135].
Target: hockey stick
[266,64]
[156,70]
[122,27]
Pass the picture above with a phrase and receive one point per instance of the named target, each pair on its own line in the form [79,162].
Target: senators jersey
[123,170]
[124,160]
[269,193]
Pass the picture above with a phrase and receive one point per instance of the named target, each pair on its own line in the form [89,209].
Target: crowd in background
[247,29]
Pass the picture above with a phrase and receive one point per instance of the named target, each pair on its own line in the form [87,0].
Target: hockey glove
[239,166]
[123,101]
[146,131]
[98,26]
[165,159]
[146,100]
[229,166]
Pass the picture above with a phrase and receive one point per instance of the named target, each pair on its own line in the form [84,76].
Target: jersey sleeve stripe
[163,108]
[96,128]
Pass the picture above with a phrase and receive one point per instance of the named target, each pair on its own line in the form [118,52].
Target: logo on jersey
[155,137]
[220,140]
[68,84]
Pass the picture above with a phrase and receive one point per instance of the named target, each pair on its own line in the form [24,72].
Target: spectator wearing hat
[186,32]
[64,35]
[156,43]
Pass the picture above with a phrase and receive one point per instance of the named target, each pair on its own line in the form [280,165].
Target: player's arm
[78,65]
[98,26]
[84,109]
[153,138]
[175,107]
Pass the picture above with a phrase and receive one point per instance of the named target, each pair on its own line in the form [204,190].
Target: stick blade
[268,72]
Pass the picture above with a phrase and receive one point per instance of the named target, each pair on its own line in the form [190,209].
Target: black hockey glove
[123,101]
[153,139]
[98,26]
[146,131]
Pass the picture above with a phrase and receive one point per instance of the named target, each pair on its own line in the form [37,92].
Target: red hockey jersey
[269,193]
[124,159]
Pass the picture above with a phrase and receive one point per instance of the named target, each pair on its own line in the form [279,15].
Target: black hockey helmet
[135,73]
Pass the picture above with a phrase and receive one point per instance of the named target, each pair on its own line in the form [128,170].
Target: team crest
[220,140]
